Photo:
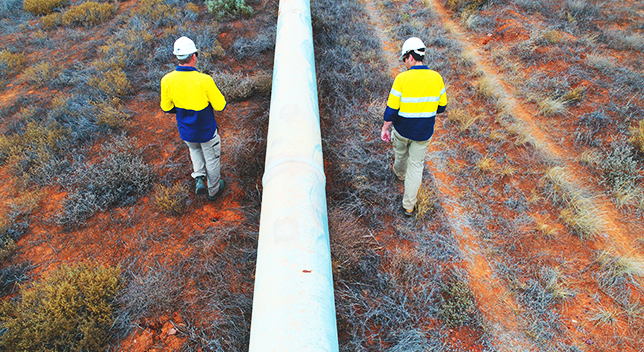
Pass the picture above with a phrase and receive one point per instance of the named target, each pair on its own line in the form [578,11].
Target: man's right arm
[166,103]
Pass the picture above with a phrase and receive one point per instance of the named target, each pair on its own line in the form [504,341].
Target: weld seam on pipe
[296,160]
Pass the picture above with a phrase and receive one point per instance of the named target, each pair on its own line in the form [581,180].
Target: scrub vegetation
[528,230]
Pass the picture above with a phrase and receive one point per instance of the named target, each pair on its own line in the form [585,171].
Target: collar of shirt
[186,68]
[419,67]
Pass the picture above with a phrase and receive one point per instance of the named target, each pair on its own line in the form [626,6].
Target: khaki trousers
[408,165]
[205,161]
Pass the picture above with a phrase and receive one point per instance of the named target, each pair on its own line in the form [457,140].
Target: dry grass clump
[171,200]
[623,40]
[580,212]
[229,8]
[43,7]
[548,106]
[10,63]
[619,269]
[70,310]
[637,136]
[463,118]
[110,115]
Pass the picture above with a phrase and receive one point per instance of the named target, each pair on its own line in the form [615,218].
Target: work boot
[201,187]
[406,212]
[221,189]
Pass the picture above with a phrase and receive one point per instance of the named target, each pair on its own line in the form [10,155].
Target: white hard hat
[413,44]
[183,47]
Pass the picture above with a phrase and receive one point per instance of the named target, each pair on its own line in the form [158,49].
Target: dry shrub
[70,310]
[156,11]
[10,62]
[88,14]
[40,74]
[35,137]
[238,87]
[171,200]
[43,7]
[216,52]
[110,115]
[52,20]
[637,136]
[575,95]
[428,200]
[113,83]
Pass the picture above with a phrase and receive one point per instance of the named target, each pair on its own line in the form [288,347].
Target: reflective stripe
[443,91]
[395,93]
[417,115]
[420,100]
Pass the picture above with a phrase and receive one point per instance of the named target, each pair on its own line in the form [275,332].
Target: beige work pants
[408,165]
[205,161]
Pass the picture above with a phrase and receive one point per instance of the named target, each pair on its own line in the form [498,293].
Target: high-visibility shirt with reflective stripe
[416,96]
[192,95]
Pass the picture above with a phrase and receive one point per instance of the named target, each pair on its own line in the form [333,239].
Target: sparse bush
[70,310]
[10,63]
[229,8]
[250,47]
[88,14]
[171,200]
[119,179]
[43,7]
[127,47]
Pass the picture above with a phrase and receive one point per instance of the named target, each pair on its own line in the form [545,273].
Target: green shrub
[43,7]
[171,200]
[70,310]
[10,63]
[88,14]
[458,305]
[229,8]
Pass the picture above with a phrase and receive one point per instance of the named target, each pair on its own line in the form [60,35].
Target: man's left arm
[442,101]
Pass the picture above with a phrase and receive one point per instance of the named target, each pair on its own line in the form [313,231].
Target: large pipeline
[293,304]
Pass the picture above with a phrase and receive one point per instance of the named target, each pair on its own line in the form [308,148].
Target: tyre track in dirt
[494,300]
[615,232]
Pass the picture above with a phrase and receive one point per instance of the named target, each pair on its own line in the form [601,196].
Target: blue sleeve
[390,114]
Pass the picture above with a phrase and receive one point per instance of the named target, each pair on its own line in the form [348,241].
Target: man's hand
[385,133]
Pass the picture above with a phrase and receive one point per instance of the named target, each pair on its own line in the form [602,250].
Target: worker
[416,96]
[193,96]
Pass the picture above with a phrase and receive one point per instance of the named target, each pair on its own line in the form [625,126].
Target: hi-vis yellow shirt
[416,96]
[192,95]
